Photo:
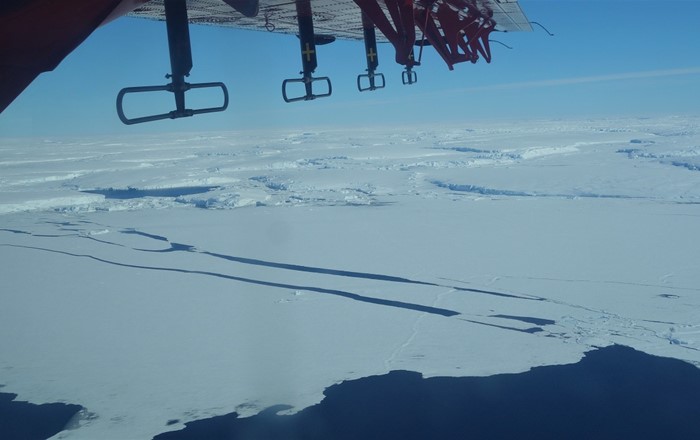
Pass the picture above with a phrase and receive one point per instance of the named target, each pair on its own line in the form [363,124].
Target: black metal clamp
[180,64]
[371,83]
[409,76]
[371,76]
[307,40]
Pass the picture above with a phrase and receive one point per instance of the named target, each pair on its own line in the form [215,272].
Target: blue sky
[607,58]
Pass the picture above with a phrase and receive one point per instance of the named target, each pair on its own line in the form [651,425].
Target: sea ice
[294,261]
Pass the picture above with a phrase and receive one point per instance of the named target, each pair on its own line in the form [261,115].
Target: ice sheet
[182,276]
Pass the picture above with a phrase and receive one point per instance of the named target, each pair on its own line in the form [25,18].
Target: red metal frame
[402,34]
[457,29]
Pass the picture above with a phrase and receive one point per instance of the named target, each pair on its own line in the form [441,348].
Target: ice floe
[157,280]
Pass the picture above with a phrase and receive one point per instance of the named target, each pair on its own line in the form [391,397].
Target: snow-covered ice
[179,276]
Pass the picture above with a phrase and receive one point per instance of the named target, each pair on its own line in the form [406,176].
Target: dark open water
[613,393]
[26,421]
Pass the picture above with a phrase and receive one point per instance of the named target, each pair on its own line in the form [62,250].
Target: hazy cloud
[588,79]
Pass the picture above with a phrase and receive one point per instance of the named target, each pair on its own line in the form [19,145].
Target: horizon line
[586,79]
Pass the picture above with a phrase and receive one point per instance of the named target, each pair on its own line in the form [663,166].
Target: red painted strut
[402,33]
[457,29]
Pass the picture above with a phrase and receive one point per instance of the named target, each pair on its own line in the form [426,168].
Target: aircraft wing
[340,18]
[36,35]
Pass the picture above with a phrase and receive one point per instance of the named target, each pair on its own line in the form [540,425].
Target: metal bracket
[409,76]
[457,30]
[371,82]
[370,38]
[178,113]
[307,42]
[180,64]
[308,88]
[398,27]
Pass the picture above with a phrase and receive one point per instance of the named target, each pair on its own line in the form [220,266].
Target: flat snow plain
[181,276]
